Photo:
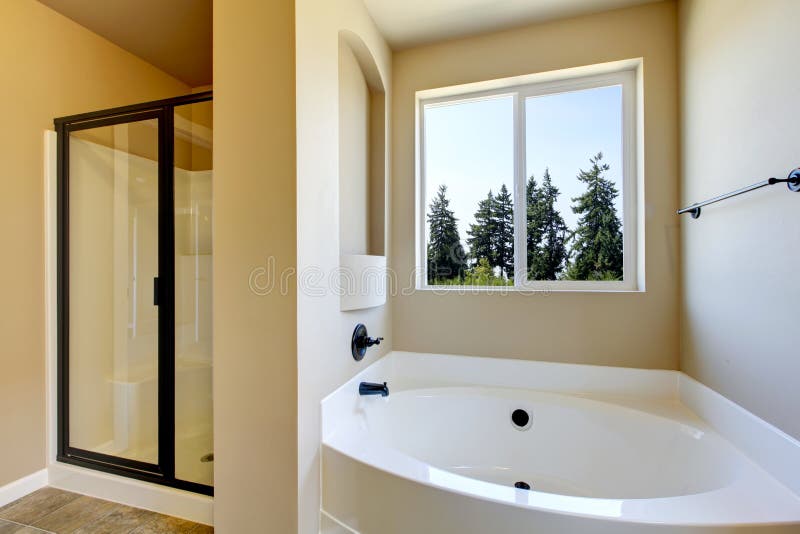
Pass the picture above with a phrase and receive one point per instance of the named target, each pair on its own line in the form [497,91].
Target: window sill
[443,290]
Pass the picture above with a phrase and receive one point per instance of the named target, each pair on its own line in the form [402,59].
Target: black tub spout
[370,388]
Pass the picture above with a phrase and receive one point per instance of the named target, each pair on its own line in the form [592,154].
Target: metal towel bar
[792,181]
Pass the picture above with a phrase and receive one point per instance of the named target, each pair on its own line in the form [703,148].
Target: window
[530,185]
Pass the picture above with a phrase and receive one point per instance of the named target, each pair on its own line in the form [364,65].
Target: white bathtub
[607,450]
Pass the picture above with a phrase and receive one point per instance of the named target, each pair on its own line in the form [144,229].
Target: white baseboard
[154,497]
[23,486]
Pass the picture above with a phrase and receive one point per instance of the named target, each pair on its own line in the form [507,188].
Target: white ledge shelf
[362,281]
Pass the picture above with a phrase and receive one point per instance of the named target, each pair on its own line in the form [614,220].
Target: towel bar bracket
[793,181]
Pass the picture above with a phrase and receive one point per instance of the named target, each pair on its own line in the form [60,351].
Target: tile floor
[50,510]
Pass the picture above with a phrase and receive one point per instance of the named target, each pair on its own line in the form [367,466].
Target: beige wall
[324,360]
[740,113]
[627,329]
[354,120]
[51,67]
[255,343]
[378,172]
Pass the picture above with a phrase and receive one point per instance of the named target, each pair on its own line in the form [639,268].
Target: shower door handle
[155,291]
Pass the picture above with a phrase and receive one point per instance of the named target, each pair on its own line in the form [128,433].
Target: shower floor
[189,450]
[188,454]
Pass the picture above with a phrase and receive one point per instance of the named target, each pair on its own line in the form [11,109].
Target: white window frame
[626,74]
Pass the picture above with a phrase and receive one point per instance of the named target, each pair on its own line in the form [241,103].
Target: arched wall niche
[362,150]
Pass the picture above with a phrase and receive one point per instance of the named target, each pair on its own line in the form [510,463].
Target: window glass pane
[574,185]
[469,184]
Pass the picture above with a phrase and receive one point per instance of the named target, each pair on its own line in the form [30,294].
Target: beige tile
[34,495]
[7,527]
[165,524]
[35,506]
[60,512]
[74,515]
[120,520]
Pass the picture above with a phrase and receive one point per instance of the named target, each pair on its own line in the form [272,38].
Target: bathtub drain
[521,419]
[522,485]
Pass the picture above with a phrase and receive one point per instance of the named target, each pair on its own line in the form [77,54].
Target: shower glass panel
[193,363]
[113,262]
[134,291]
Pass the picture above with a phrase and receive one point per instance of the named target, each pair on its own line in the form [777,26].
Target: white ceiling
[408,23]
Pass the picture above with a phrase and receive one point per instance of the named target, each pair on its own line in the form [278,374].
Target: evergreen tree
[445,254]
[481,274]
[534,221]
[480,232]
[597,248]
[504,232]
[547,231]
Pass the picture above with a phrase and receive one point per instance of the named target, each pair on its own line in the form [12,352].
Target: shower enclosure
[134,291]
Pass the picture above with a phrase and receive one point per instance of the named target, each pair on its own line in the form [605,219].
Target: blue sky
[469,146]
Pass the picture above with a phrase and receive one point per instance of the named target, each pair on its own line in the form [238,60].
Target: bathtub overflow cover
[521,419]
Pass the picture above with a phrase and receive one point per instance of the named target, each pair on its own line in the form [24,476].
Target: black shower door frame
[164,471]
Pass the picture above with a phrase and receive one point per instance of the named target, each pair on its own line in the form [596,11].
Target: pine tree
[547,231]
[534,221]
[480,232]
[504,232]
[445,254]
[597,248]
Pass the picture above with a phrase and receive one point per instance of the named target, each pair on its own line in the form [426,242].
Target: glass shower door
[113,266]
[134,291]
[194,445]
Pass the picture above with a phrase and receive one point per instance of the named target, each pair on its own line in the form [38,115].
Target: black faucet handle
[360,342]
[373,341]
